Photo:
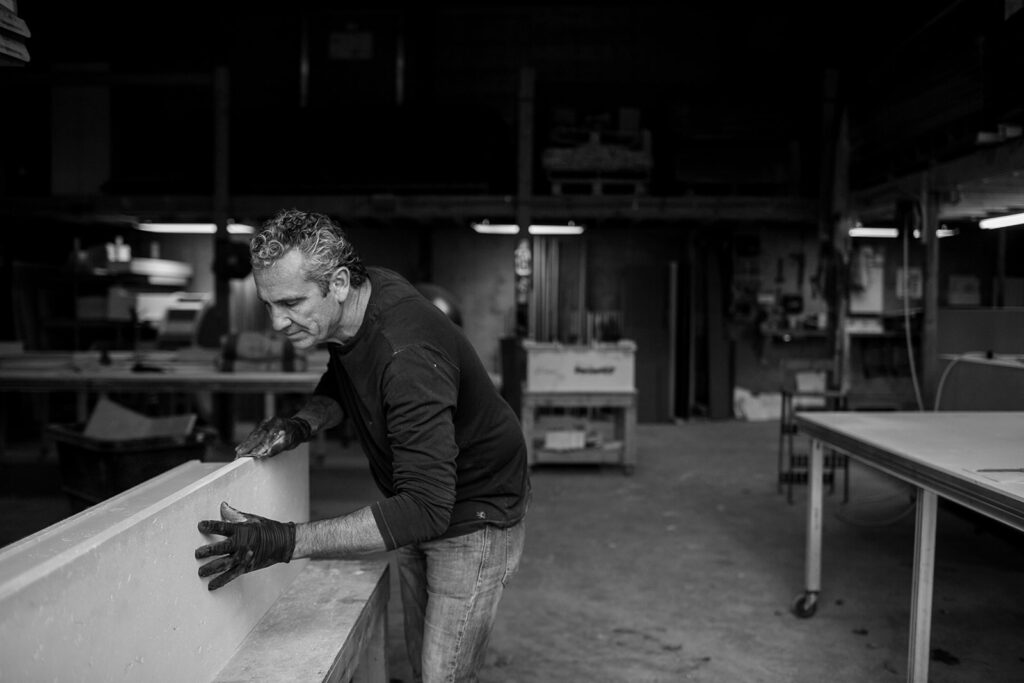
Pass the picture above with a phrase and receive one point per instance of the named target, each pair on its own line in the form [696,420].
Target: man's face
[296,305]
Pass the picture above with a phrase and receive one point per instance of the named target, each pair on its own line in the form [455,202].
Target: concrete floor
[686,570]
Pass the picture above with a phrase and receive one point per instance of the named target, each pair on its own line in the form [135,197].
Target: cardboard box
[599,367]
[92,470]
[119,448]
[565,440]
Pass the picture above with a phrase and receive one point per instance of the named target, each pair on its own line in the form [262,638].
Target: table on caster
[963,457]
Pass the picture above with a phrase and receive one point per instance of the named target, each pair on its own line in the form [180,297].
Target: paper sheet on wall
[867,295]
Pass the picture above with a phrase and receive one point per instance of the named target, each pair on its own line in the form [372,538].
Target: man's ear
[340,283]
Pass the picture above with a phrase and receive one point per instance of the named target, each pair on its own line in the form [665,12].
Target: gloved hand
[274,435]
[252,543]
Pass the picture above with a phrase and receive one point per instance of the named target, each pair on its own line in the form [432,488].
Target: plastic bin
[92,470]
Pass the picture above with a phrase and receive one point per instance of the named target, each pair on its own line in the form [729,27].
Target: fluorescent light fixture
[485,227]
[1001,221]
[570,229]
[946,232]
[887,233]
[195,228]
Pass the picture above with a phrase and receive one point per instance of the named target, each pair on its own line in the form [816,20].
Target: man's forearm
[321,413]
[354,534]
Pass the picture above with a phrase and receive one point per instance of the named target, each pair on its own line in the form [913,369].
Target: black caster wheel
[806,604]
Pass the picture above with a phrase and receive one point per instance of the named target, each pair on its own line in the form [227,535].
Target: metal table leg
[924,573]
[807,602]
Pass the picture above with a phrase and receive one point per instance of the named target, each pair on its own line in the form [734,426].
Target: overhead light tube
[1001,221]
[194,228]
[485,227]
[570,229]
[888,233]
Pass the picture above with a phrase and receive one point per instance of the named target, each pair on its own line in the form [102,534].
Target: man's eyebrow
[283,299]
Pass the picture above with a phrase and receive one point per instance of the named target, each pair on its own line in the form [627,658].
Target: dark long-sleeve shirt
[444,447]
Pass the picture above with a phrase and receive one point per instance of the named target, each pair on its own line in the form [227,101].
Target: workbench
[942,455]
[164,378]
[621,452]
[169,380]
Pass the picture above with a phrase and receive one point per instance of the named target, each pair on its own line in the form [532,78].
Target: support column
[524,195]
[221,312]
[929,340]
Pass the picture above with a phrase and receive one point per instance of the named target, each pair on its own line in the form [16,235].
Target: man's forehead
[286,278]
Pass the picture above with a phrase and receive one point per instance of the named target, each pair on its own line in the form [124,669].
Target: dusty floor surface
[686,570]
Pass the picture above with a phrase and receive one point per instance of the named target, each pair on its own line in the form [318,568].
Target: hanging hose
[910,220]
[945,374]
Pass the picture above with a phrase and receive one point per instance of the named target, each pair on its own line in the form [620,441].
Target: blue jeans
[450,594]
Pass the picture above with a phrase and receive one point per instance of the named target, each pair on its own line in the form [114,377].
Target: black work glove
[274,435]
[253,542]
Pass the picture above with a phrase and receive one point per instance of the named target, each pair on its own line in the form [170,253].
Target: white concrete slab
[112,594]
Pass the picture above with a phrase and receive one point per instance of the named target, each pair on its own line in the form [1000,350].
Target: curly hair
[315,235]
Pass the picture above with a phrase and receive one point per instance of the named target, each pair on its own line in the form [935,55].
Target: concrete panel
[112,593]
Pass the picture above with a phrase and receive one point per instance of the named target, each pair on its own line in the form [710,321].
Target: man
[444,448]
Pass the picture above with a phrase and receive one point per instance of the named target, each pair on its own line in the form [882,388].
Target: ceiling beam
[423,207]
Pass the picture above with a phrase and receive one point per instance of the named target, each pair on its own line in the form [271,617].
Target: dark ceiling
[424,98]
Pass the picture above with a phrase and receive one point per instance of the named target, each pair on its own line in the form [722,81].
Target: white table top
[940,451]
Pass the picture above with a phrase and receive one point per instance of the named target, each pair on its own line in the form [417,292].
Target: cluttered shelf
[580,427]
[578,403]
[194,375]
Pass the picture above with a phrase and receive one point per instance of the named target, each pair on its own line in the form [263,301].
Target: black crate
[92,470]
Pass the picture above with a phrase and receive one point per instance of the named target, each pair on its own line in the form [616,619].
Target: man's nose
[279,321]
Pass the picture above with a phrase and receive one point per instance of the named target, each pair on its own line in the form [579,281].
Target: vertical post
[303,61]
[538,287]
[582,294]
[523,286]
[220,187]
[524,193]
[224,402]
[691,324]
[929,343]
[552,286]
[673,334]
[719,352]
[999,291]
[834,218]
[400,63]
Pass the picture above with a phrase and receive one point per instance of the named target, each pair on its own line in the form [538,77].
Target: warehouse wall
[478,270]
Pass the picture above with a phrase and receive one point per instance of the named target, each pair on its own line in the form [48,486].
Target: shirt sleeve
[420,392]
